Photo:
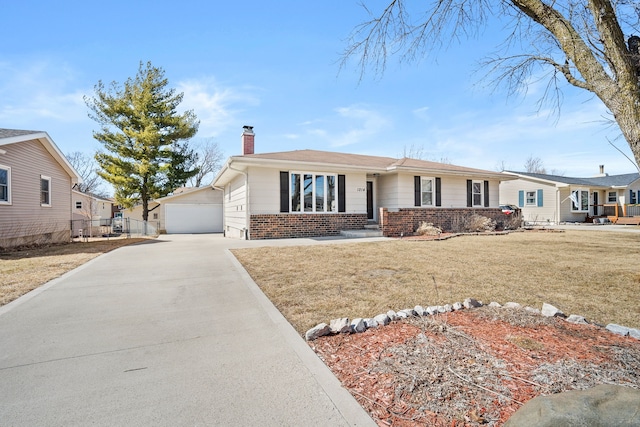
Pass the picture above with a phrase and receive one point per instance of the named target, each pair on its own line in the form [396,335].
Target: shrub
[473,223]
[428,229]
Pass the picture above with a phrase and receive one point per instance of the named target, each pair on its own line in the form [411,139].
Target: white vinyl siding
[235,208]
[544,210]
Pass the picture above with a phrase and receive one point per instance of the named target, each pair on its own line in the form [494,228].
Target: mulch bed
[473,367]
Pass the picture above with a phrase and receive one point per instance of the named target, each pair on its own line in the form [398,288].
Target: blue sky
[275,66]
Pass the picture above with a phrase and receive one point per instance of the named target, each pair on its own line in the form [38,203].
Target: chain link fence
[112,227]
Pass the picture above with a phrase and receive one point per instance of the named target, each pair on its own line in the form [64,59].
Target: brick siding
[286,225]
[405,221]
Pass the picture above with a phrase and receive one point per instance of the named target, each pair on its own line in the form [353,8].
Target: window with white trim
[612,197]
[79,205]
[427,190]
[45,190]
[313,192]
[531,199]
[579,200]
[5,185]
[476,193]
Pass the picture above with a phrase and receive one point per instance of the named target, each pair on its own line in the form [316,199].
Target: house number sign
[361,189]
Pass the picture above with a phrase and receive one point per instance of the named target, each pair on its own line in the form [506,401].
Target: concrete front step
[361,233]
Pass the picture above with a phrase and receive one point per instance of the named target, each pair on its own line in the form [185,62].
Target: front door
[370,200]
[595,203]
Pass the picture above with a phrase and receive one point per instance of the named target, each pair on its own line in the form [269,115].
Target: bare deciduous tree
[418,152]
[534,165]
[590,44]
[209,160]
[86,166]
[501,166]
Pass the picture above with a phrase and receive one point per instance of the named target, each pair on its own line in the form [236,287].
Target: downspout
[246,203]
[558,207]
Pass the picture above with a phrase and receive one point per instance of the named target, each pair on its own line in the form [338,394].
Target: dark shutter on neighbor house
[417,189]
[540,199]
[521,198]
[284,191]
[469,193]
[486,194]
[438,192]
[341,195]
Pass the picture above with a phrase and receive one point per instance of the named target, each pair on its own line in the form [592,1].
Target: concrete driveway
[171,332]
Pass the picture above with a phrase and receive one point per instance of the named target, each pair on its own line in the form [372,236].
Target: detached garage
[193,218]
[186,211]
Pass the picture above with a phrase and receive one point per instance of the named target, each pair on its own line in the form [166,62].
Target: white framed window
[313,192]
[530,198]
[5,185]
[612,197]
[579,200]
[476,193]
[79,205]
[45,190]
[427,190]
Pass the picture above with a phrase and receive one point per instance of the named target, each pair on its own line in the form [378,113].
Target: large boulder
[603,405]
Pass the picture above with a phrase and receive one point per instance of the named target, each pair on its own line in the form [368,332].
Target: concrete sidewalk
[170,332]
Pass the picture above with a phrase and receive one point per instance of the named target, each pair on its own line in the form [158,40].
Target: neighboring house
[187,210]
[307,193]
[35,189]
[556,199]
[89,213]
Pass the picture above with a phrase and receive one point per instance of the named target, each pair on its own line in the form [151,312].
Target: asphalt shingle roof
[600,181]
[10,133]
[359,160]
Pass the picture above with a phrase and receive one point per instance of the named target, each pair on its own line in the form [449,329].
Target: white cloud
[216,106]
[354,124]
[40,91]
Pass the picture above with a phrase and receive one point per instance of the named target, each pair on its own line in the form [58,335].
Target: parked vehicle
[508,209]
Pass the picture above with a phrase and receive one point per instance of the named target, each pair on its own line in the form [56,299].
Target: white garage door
[193,218]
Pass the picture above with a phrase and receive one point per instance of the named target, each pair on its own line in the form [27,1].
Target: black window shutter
[438,192]
[469,193]
[341,195]
[416,191]
[284,191]
[486,194]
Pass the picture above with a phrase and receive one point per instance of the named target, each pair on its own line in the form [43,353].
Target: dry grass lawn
[593,274]
[24,270]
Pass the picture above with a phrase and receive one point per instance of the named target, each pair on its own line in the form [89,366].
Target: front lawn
[594,274]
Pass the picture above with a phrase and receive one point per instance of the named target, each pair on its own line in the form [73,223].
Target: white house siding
[265,191]
[453,191]
[235,208]
[388,191]
[547,213]
[355,192]
[25,220]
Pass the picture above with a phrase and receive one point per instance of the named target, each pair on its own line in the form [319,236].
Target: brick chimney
[247,140]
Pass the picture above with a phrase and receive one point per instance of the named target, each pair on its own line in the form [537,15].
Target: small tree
[141,131]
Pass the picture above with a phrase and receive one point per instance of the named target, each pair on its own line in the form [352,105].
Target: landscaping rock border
[359,325]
